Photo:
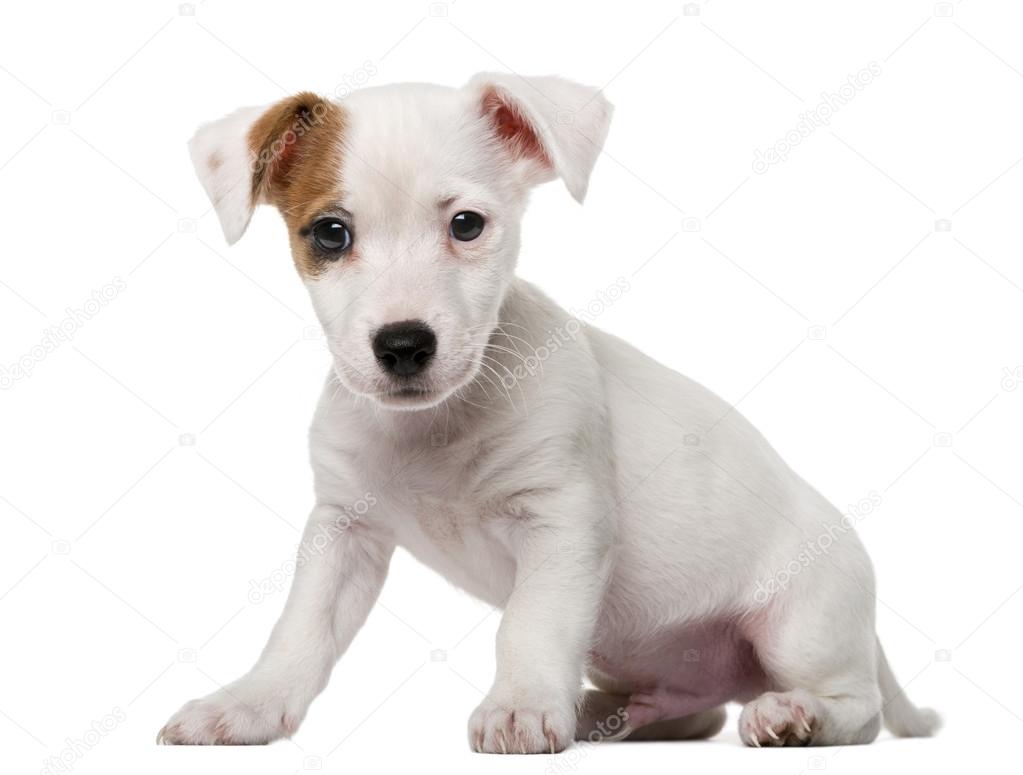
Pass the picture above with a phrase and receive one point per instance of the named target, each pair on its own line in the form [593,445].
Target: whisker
[500,383]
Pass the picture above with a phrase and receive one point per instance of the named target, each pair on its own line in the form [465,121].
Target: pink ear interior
[514,129]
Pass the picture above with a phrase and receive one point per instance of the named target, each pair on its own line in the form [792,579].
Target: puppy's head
[403,208]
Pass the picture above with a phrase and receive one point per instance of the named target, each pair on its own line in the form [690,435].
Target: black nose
[404,348]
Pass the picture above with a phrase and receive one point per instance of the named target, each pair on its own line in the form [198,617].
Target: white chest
[459,541]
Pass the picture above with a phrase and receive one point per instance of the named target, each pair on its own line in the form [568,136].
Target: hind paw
[779,719]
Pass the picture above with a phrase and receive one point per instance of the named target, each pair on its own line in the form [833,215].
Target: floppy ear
[550,127]
[248,157]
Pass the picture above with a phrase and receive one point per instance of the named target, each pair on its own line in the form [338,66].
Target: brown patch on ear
[214,161]
[296,148]
[514,130]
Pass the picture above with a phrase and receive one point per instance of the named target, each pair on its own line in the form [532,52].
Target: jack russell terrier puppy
[635,529]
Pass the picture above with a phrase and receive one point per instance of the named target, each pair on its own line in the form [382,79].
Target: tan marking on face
[297,148]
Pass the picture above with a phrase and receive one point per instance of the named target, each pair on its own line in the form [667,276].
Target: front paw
[521,727]
[244,713]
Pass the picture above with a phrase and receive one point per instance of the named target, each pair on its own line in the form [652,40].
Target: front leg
[546,629]
[341,568]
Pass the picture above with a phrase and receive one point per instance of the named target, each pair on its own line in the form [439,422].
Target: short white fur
[613,508]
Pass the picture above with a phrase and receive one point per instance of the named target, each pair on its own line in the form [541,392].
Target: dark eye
[466,226]
[332,236]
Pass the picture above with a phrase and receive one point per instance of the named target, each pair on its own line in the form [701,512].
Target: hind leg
[819,651]
[798,717]
[602,717]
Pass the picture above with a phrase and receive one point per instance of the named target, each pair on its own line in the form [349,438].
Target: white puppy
[630,523]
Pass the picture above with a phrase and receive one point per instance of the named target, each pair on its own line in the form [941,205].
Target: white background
[153,467]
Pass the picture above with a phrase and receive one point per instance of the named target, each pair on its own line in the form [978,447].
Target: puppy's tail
[902,717]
